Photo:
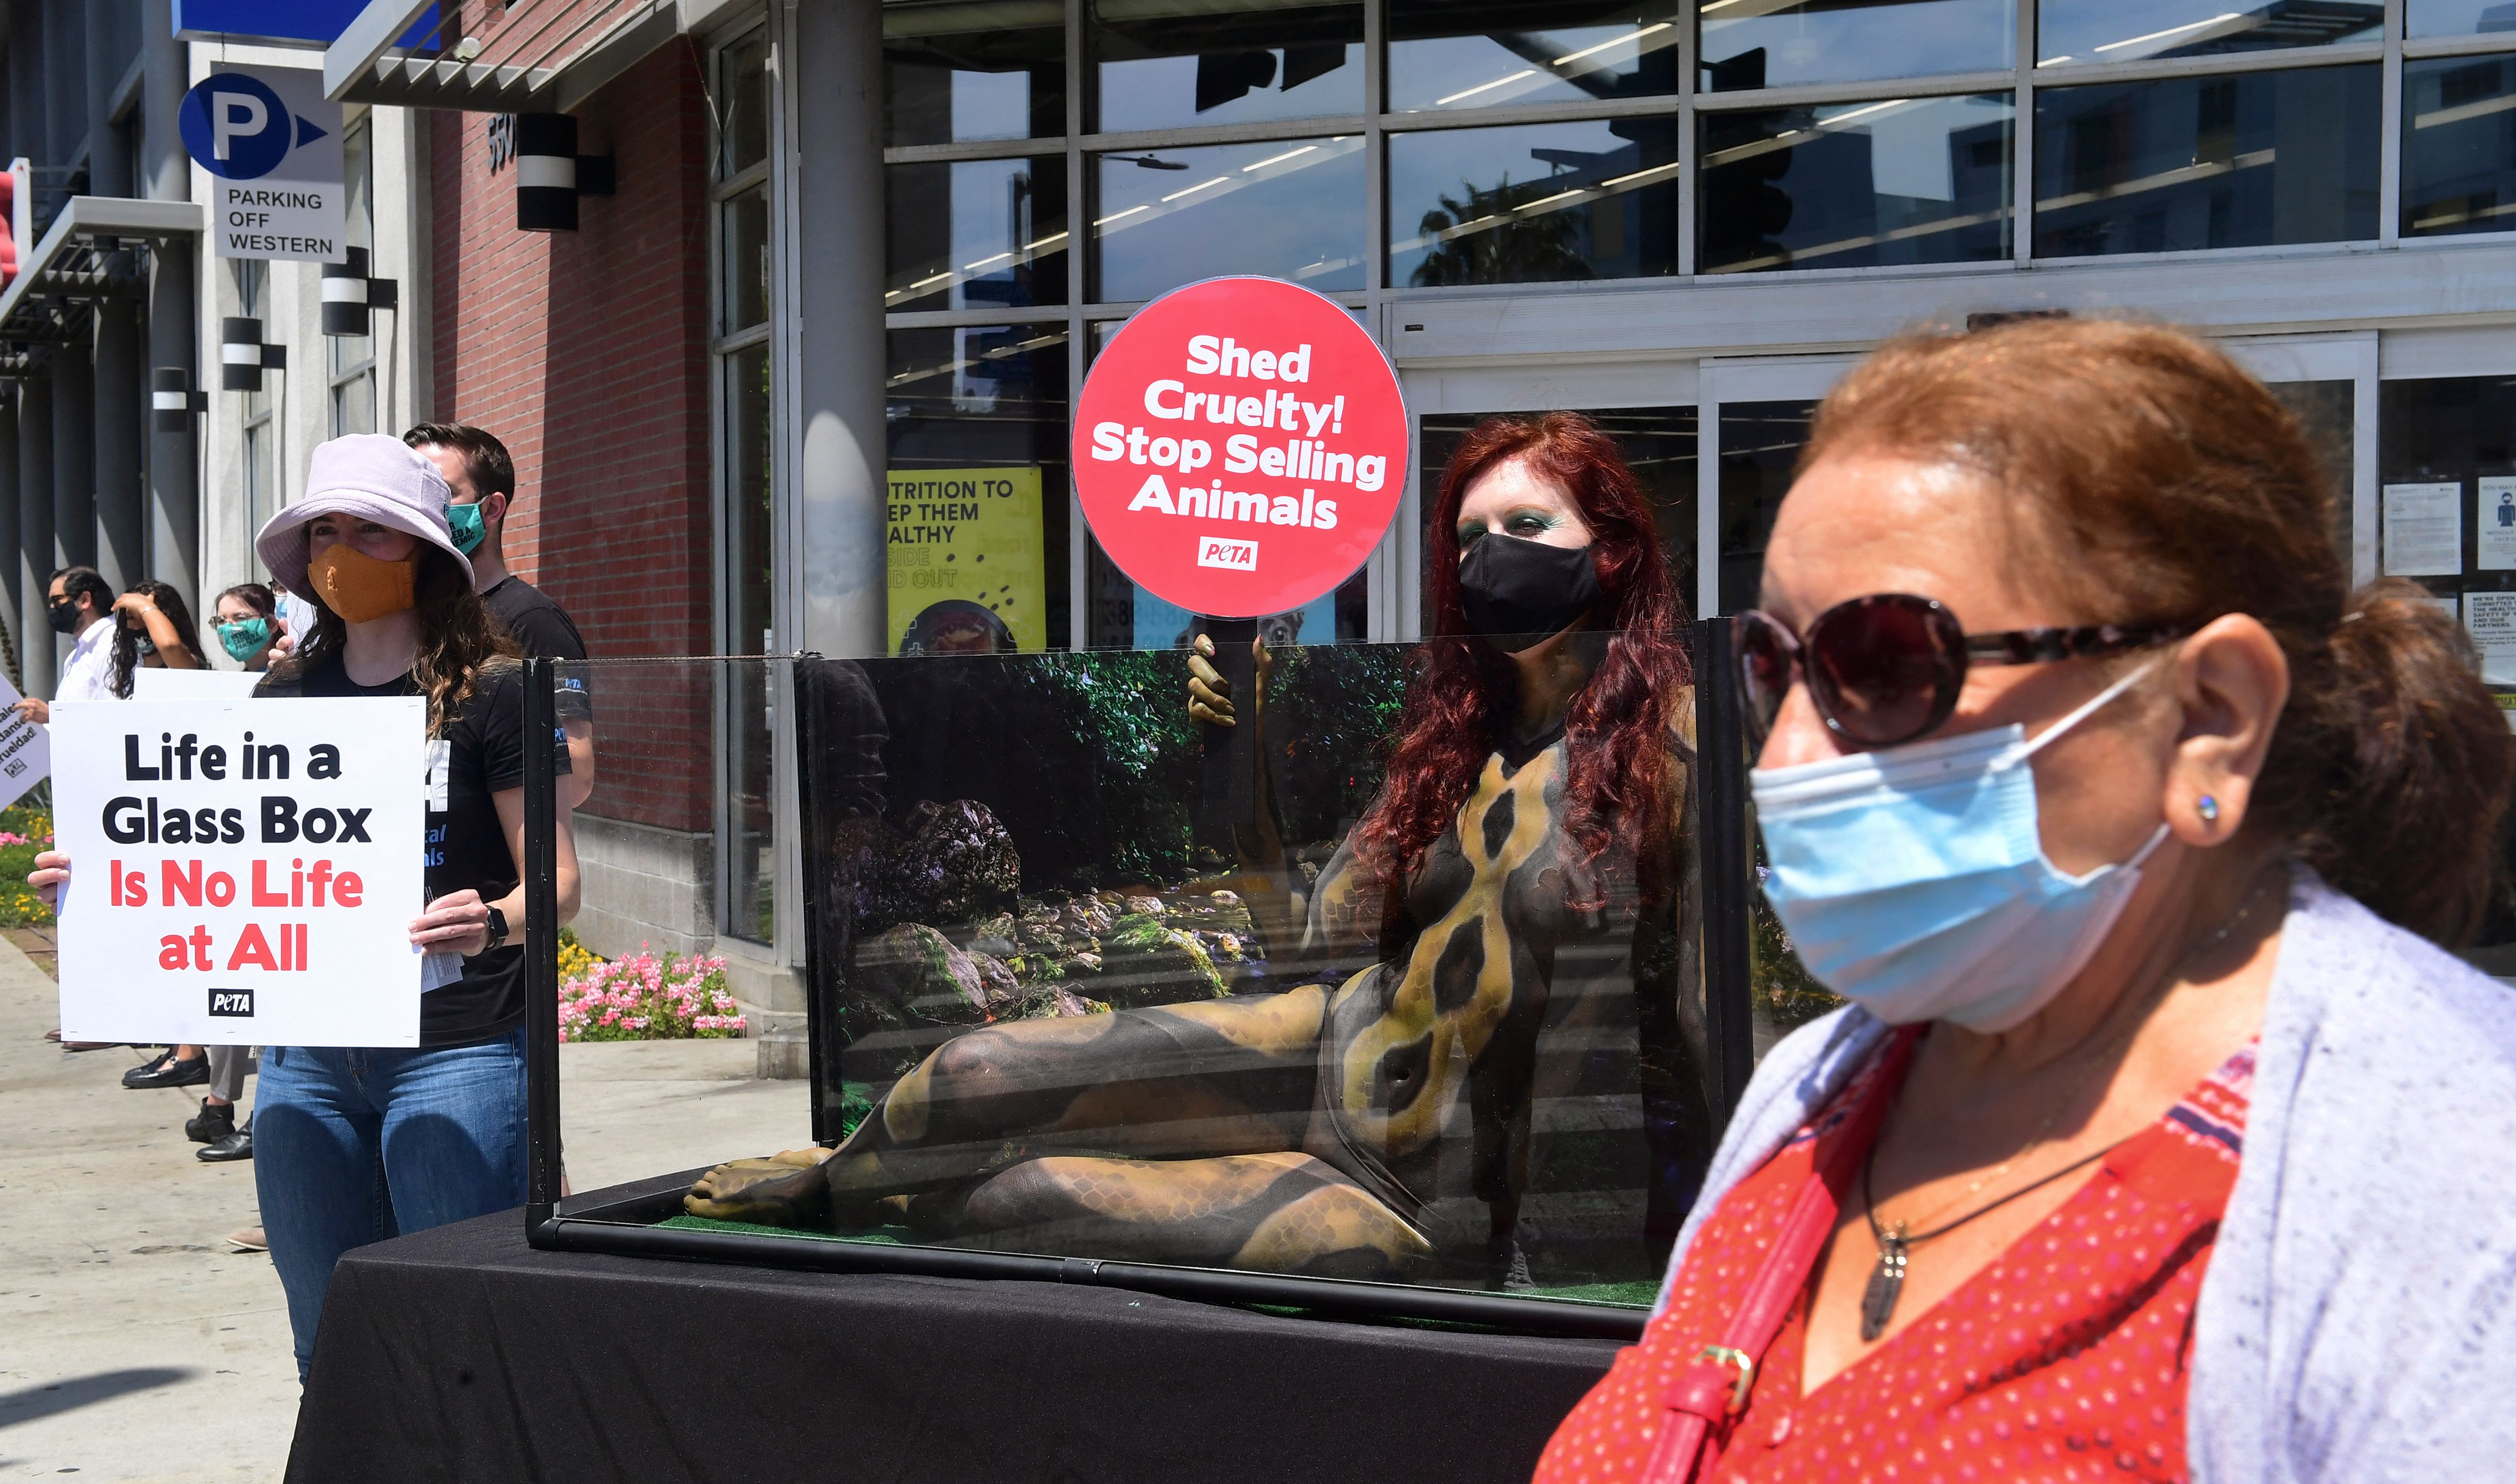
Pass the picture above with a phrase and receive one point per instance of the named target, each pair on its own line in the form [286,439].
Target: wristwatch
[497,930]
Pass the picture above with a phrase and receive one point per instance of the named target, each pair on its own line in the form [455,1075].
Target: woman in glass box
[1513,917]
[2160,1139]
[444,1122]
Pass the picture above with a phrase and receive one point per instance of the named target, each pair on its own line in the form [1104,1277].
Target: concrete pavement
[133,1343]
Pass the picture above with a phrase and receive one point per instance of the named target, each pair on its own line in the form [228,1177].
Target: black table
[461,1353]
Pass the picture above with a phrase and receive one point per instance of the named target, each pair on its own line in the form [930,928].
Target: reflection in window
[1658,446]
[2193,162]
[2460,145]
[1175,64]
[1781,43]
[751,795]
[2326,412]
[1126,616]
[744,257]
[1533,203]
[2129,31]
[742,92]
[1291,208]
[960,70]
[977,453]
[1444,55]
[1760,449]
[1910,180]
[975,233]
[2458,18]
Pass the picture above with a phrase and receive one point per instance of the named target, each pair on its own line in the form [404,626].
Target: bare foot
[785,1189]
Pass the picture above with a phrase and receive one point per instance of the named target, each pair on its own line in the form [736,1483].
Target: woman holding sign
[395,616]
[1523,883]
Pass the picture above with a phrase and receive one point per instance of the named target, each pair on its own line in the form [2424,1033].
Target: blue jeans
[356,1145]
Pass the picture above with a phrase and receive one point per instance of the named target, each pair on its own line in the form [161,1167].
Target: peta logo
[235,1005]
[1228,554]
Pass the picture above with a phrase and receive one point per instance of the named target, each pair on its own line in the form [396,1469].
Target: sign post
[245,872]
[1240,449]
[272,145]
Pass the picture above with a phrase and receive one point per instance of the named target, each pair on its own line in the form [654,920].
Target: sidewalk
[133,1344]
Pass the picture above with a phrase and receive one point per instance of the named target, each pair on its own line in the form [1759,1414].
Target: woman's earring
[2209,808]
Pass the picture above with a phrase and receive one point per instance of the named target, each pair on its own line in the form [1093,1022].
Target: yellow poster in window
[968,568]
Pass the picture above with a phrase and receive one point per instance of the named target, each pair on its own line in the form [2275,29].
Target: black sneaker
[215,1122]
[168,1072]
[236,1146]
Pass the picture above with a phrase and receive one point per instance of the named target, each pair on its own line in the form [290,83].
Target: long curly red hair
[1461,690]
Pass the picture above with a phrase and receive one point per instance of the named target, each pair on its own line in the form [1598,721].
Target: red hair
[1461,690]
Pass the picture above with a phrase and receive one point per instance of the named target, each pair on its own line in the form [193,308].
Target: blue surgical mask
[469,529]
[1914,883]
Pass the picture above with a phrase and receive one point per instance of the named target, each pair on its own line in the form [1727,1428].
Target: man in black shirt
[481,474]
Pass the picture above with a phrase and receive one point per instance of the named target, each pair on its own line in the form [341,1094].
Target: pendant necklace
[1887,1280]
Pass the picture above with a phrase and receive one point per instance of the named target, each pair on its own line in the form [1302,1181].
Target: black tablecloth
[462,1354]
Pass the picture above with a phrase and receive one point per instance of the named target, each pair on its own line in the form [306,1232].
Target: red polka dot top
[2065,1358]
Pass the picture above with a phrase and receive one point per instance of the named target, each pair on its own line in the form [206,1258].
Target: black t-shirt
[483,742]
[542,627]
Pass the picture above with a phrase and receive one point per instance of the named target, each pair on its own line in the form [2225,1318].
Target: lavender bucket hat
[369,477]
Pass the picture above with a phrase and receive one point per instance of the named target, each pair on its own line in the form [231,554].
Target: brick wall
[586,352]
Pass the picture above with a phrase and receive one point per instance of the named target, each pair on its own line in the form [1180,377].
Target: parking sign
[272,147]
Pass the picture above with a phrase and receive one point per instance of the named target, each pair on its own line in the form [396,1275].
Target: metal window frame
[1388,311]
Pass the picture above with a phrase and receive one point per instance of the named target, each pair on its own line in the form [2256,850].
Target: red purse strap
[1714,1385]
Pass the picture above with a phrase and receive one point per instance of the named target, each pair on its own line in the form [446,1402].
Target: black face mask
[1518,593]
[62,616]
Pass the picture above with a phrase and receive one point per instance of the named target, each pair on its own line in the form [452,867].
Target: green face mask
[469,529]
[244,638]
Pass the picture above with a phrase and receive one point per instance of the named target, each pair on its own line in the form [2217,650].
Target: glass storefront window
[2460,145]
[1857,185]
[1760,449]
[1292,208]
[1764,44]
[1658,446]
[977,453]
[751,794]
[2131,31]
[972,69]
[1443,54]
[970,234]
[2456,17]
[1181,63]
[743,258]
[1533,203]
[2447,446]
[2248,161]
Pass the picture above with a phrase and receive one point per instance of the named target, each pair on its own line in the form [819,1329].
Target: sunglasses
[1887,668]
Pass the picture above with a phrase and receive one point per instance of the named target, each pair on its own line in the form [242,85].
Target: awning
[542,55]
[94,250]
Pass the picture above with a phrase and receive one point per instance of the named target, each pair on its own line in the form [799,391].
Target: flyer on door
[243,872]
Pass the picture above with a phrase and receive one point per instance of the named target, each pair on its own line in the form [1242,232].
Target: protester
[155,633]
[78,604]
[444,1122]
[483,476]
[2159,1139]
[247,622]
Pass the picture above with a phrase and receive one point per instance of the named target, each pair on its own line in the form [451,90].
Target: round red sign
[1239,446]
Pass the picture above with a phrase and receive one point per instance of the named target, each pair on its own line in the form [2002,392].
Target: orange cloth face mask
[360,587]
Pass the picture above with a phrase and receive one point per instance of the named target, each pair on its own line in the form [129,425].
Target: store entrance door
[1755,413]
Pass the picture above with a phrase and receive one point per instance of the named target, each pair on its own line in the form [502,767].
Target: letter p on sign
[237,115]
[1230,556]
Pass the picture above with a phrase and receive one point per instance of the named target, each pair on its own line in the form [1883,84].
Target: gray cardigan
[2358,1319]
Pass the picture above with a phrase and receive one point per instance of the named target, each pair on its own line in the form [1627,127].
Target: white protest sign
[272,147]
[245,872]
[25,750]
[192,685]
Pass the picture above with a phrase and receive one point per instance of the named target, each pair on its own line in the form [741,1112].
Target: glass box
[1073,987]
